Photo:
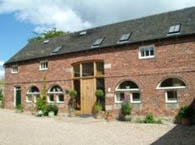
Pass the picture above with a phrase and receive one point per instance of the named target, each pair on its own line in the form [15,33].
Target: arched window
[32,94]
[55,91]
[125,90]
[171,85]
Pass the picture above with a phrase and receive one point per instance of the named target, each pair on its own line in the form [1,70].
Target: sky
[24,19]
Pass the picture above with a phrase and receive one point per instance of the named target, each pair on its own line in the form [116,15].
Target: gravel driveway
[25,129]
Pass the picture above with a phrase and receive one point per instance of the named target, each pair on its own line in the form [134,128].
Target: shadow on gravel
[180,135]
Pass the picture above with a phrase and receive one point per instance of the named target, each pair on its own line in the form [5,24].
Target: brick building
[149,62]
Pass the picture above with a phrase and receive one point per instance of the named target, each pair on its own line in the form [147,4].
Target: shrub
[99,93]
[184,112]
[41,104]
[150,119]
[126,109]
[98,108]
[73,94]
[53,108]
[1,95]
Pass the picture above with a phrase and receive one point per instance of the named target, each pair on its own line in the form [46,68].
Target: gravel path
[24,129]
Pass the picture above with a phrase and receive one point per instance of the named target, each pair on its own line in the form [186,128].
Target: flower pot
[109,117]
[51,114]
[127,118]
[98,116]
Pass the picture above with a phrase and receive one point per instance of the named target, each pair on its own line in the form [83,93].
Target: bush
[41,104]
[73,94]
[184,112]
[126,109]
[150,119]
[99,93]
[53,108]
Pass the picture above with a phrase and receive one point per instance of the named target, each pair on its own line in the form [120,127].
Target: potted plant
[52,110]
[125,114]
[98,111]
[108,115]
[98,106]
[71,109]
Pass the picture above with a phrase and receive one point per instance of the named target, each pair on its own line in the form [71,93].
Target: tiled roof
[142,29]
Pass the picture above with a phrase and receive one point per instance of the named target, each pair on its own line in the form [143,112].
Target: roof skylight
[124,38]
[174,29]
[98,42]
[56,50]
[46,41]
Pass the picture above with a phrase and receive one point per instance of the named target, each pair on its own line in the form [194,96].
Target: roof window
[124,38]
[174,29]
[98,42]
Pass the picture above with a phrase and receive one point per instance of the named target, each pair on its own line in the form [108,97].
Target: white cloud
[73,15]
[1,63]
[1,69]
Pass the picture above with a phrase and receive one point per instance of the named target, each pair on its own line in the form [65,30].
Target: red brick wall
[174,58]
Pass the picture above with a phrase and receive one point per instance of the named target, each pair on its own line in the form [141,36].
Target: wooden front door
[88,96]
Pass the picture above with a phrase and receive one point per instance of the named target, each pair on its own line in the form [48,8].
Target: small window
[130,89]
[76,69]
[174,29]
[135,97]
[32,93]
[82,33]
[171,96]
[98,42]
[56,50]
[14,69]
[88,69]
[43,65]
[147,52]
[46,41]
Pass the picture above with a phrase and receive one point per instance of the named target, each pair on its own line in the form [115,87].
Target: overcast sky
[21,17]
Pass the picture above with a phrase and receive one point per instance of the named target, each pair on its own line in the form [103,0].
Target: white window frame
[145,48]
[131,98]
[14,69]
[43,63]
[58,100]
[166,97]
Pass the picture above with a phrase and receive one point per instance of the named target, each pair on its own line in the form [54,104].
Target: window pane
[100,83]
[135,96]
[172,95]
[77,70]
[120,97]
[88,69]
[142,53]
[147,52]
[128,85]
[61,98]
[151,51]
[51,98]
[99,68]
[77,88]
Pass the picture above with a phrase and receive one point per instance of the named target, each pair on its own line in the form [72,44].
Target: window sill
[149,57]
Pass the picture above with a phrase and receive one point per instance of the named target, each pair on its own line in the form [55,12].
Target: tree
[48,34]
